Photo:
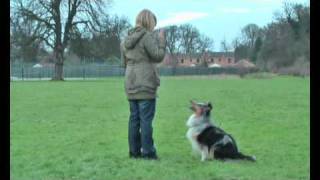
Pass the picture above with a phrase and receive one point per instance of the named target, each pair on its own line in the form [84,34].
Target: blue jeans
[140,127]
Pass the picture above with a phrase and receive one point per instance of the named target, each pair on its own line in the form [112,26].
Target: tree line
[62,29]
[103,44]
[282,46]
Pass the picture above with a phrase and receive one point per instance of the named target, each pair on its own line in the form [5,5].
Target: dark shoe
[134,155]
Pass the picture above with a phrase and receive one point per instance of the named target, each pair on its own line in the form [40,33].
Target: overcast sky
[217,19]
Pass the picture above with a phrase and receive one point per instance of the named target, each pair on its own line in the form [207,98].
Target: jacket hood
[134,36]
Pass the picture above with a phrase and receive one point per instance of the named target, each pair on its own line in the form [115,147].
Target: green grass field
[78,129]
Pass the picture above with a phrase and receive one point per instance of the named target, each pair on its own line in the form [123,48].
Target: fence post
[22,73]
[99,70]
[84,73]
[40,74]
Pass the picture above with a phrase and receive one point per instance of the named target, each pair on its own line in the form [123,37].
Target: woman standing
[141,50]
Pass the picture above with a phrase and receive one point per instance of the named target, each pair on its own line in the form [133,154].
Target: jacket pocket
[131,80]
[151,77]
[141,77]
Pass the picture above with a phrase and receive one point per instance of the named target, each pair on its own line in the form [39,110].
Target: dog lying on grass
[209,140]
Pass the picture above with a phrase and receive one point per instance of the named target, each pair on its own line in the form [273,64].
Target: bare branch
[33,16]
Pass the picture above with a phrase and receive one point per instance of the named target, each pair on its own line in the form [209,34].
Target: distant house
[214,65]
[37,66]
[244,63]
[47,65]
[215,59]
[47,62]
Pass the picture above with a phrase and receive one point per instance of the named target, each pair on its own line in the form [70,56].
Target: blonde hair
[146,19]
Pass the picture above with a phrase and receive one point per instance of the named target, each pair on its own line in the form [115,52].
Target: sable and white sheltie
[209,140]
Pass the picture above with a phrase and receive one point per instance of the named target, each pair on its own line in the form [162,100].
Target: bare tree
[205,43]
[298,17]
[23,37]
[172,39]
[236,43]
[250,33]
[107,41]
[115,26]
[189,36]
[224,46]
[61,18]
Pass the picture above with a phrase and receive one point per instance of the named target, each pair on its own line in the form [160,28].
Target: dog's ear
[210,105]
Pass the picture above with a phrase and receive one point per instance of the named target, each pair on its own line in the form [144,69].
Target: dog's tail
[239,155]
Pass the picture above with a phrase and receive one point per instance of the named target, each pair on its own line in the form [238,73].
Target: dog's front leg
[204,153]
[211,153]
[203,156]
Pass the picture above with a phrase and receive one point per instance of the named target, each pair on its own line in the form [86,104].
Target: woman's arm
[155,47]
[123,57]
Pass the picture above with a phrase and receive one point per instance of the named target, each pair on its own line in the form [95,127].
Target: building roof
[220,54]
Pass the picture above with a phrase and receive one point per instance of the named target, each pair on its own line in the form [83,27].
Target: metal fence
[87,71]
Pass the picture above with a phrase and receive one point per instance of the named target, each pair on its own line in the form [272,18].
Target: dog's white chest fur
[196,126]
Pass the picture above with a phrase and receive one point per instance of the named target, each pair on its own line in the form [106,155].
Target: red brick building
[221,58]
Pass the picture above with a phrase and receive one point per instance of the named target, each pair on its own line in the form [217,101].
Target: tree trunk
[58,66]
